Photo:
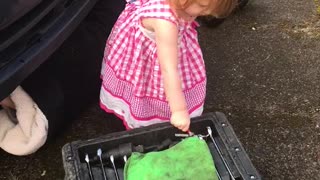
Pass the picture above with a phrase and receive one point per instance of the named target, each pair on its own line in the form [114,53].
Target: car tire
[212,22]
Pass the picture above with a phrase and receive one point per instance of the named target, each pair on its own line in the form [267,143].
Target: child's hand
[181,120]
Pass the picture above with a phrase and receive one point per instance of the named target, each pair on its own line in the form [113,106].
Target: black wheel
[242,3]
[209,21]
[212,22]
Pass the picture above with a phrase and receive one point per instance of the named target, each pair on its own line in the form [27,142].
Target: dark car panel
[32,43]
[11,10]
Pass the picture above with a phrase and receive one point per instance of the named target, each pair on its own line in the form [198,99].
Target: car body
[29,36]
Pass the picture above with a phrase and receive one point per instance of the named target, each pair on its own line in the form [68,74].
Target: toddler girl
[153,70]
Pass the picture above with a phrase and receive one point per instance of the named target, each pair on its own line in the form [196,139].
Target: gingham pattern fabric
[131,70]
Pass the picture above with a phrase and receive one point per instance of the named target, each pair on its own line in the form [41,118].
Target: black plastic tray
[229,156]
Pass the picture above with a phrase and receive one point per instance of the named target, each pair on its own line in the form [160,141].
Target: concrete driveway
[264,72]
[263,68]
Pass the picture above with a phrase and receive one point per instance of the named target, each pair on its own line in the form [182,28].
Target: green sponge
[188,160]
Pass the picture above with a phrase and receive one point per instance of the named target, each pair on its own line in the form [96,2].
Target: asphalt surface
[263,67]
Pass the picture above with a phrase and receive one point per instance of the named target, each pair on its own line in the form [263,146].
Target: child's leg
[106,109]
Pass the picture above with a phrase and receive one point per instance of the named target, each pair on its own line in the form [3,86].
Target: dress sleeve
[157,9]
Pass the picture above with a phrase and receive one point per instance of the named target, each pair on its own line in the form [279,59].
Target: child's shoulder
[157,9]
[156,5]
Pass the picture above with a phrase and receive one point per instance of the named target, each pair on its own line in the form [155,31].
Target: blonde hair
[217,8]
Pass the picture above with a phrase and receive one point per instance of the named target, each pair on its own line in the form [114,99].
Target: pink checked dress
[132,84]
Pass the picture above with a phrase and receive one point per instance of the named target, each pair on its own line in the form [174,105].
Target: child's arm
[167,49]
